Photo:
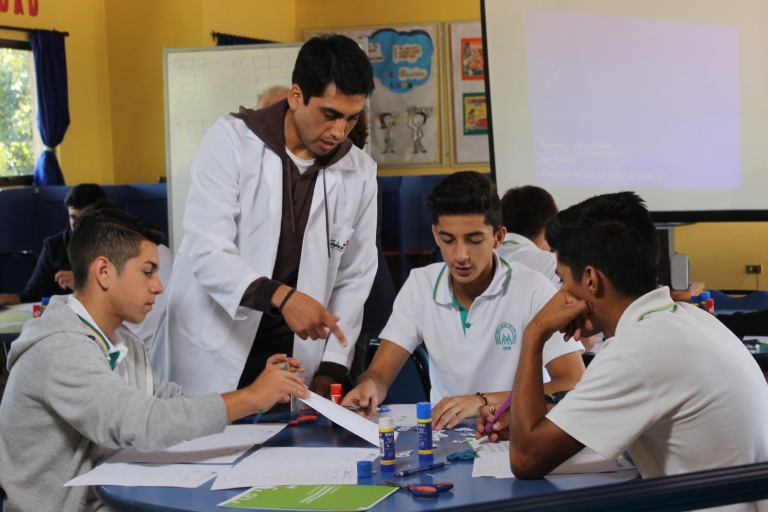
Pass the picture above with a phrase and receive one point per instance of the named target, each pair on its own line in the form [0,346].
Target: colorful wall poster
[405,118]
[475,113]
[468,102]
[472,66]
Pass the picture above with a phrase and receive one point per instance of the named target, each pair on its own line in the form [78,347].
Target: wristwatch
[554,398]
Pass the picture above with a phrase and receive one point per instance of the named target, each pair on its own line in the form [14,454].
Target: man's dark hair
[613,233]
[465,193]
[332,59]
[527,210]
[84,195]
[108,232]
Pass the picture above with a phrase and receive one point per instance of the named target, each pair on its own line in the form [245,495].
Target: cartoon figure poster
[405,119]
[472,67]
[468,102]
[475,114]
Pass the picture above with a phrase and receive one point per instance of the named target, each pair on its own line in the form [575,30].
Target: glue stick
[387,444]
[336,393]
[424,420]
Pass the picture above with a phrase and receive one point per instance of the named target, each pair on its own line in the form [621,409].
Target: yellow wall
[719,253]
[117,135]
[354,13]
[136,37]
[86,153]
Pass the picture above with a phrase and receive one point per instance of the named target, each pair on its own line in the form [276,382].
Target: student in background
[671,383]
[53,273]
[526,212]
[80,385]
[378,306]
[469,311]
[271,96]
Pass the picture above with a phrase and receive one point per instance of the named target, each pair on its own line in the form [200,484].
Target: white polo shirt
[517,248]
[475,350]
[676,387]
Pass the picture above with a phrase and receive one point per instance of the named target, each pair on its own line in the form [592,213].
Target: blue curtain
[52,102]
[230,40]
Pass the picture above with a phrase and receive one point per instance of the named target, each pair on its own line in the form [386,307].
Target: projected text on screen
[623,102]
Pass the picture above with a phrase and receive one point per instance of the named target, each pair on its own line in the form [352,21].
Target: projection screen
[668,98]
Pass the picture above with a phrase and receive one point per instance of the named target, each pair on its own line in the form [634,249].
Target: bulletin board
[406,123]
[468,107]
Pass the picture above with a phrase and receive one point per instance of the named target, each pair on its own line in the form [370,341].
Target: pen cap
[364,469]
[335,389]
[386,424]
[424,410]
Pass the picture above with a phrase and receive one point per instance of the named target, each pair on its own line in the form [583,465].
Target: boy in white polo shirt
[671,383]
[469,311]
[525,213]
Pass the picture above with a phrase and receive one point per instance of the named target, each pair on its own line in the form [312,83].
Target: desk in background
[468,491]
[685,295]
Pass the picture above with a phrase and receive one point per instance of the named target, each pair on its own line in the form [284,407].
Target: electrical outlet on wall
[754,269]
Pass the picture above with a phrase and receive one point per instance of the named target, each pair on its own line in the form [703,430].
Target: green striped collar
[442,292]
[655,301]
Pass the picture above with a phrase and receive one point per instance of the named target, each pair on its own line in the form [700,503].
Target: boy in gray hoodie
[81,385]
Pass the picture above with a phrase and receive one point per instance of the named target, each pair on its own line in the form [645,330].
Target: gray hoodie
[62,402]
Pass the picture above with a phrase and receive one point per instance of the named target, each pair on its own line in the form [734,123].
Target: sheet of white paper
[403,415]
[345,418]
[222,448]
[147,475]
[295,466]
[493,461]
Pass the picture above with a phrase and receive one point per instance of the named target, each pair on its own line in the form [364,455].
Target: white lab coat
[232,229]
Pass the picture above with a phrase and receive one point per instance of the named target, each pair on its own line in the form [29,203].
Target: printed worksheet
[493,460]
[147,475]
[345,418]
[403,415]
[222,448]
[295,466]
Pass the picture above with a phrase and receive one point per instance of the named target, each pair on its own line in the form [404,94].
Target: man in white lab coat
[280,226]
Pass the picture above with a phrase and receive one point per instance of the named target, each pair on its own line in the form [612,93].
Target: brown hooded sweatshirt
[298,190]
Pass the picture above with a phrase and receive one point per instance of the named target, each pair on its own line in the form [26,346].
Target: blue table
[468,491]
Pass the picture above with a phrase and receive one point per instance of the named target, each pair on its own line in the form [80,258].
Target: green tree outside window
[17,156]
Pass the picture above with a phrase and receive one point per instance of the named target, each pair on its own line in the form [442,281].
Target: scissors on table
[424,490]
[465,456]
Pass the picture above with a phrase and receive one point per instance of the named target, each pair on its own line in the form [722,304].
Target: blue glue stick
[424,420]
[387,445]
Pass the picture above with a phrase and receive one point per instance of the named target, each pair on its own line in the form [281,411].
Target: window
[20,143]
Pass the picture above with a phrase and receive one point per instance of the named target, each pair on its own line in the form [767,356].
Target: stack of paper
[272,466]
[179,465]
[223,448]
[493,460]
[147,475]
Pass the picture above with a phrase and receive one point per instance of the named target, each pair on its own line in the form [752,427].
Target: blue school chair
[415,219]
[15,270]
[754,301]
[411,385]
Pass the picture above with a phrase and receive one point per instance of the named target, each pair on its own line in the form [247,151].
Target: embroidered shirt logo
[338,246]
[506,336]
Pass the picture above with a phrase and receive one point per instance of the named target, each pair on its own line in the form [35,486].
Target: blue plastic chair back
[411,385]
[415,219]
[390,222]
[15,270]
[755,301]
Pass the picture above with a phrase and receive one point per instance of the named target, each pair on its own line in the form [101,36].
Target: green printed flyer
[311,497]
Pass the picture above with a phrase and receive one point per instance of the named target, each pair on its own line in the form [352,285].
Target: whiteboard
[201,85]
